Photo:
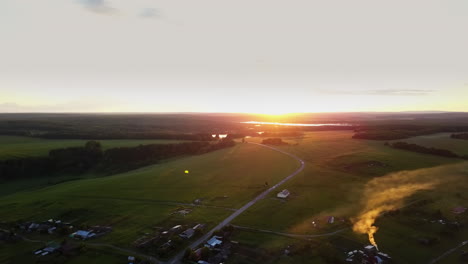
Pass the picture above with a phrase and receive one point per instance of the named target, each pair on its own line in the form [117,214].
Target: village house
[199,226]
[213,242]
[81,234]
[176,228]
[283,194]
[187,233]
[49,249]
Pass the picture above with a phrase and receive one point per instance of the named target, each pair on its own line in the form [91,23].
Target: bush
[274,141]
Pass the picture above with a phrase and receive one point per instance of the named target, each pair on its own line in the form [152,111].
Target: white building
[283,194]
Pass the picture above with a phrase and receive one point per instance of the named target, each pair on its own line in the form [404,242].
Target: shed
[283,194]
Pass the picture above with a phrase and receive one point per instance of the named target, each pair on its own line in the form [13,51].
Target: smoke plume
[389,192]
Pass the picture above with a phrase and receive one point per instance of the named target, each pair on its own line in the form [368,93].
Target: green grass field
[136,201]
[330,186]
[441,140]
[325,186]
[337,169]
[17,147]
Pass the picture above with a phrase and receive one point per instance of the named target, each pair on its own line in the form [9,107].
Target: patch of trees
[126,158]
[394,132]
[424,150]
[274,141]
[91,157]
[73,160]
[391,134]
[460,136]
[126,135]
[282,134]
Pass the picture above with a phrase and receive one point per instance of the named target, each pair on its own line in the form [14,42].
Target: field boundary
[252,229]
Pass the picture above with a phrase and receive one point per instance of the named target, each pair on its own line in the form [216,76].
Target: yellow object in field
[186,171]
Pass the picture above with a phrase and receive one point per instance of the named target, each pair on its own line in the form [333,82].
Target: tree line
[425,150]
[394,132]
[91,157]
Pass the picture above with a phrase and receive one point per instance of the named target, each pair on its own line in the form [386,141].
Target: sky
[259,56]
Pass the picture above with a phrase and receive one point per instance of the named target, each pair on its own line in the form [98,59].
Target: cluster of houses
[53,247]
[370,255]
[47,250]
[50,226]
[56,226]
[165,239]
[219,246]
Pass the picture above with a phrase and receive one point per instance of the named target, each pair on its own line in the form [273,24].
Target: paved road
[448,252]
[178,257]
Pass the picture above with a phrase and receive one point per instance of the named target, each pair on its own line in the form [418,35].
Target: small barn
[283,194]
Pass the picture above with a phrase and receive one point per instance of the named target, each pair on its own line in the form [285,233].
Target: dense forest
[91,157]
[394,132]
[425,150]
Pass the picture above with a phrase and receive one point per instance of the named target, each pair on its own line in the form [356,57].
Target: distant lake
[220,135]
[295,124]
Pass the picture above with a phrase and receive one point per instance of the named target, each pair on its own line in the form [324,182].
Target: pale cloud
[154,52]
[70,106]
[383,92]
[149,13]
[98,6]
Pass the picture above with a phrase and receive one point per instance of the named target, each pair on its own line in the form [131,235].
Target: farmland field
[441,140]
[337,169]
[132,203]
[17,147]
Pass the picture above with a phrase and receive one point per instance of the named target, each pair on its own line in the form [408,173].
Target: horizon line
[239,113]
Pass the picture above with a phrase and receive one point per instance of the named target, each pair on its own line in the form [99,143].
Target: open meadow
[337,170]
[442,141]
[333,183]
[20,147]
[136,202]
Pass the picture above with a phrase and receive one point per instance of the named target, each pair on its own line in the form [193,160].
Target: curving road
[178,257]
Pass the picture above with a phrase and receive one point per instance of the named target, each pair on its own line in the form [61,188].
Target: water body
[220,135]
[295,124]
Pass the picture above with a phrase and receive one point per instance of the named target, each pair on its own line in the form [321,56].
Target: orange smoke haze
[389,192]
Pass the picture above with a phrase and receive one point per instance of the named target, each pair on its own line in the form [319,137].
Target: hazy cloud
[71,106]
[390,92]
[149,13]
[98,6]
